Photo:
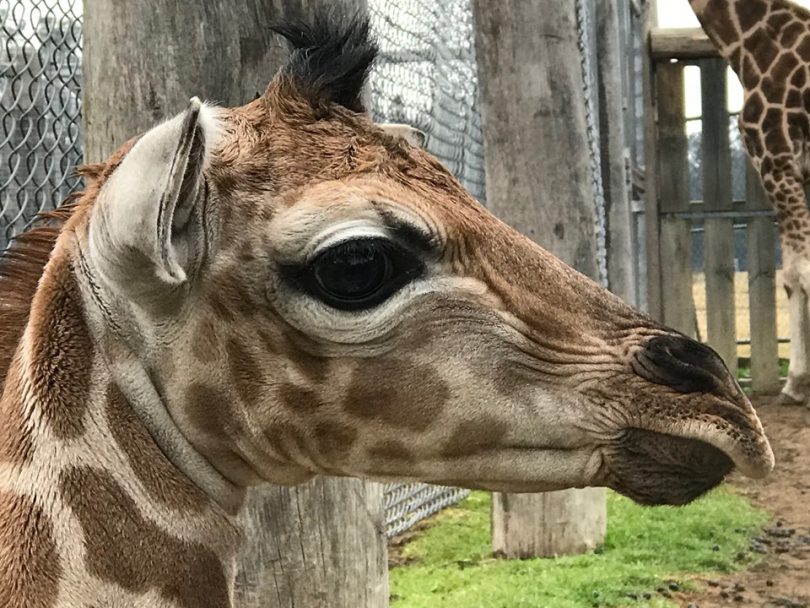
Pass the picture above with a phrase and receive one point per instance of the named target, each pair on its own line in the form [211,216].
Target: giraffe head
[308,292]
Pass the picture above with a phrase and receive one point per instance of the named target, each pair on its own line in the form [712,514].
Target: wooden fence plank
[718,232]
[673,187]
[762,292]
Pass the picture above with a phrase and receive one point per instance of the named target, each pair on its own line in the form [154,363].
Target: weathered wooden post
[539,180]
[322,544]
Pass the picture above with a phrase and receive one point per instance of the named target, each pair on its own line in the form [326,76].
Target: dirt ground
[782,579]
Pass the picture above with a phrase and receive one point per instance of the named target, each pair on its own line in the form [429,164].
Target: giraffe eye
[360,273]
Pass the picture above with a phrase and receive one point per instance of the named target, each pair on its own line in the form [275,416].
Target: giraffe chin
[654,468]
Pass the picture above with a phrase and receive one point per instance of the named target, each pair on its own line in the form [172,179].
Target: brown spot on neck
[762,48]
[164,482]
[29,563]
[126,549]
[62,351]
[750,13]
[716,18]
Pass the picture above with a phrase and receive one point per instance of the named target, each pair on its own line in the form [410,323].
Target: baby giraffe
[285,289]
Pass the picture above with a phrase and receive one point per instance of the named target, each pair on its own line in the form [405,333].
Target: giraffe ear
[147,226]
[412,135]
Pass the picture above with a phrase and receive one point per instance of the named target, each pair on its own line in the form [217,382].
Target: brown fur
[417,385]
[160,477]
[30,569]
[62,352]
[125,548]
[21,266]
[16,445]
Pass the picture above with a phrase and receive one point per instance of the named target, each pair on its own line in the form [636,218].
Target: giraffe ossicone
[285,289]
[767,44]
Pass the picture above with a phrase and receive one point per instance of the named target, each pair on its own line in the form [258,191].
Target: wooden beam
[622,268]
[681,43]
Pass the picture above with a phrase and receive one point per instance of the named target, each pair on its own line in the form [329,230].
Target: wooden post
[762,290]
[718,232]
[620,259]
[673,191]
[539,180]
[143,60]
[306,552]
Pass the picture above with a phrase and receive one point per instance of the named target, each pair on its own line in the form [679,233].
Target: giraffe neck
[750,28]
[91,511]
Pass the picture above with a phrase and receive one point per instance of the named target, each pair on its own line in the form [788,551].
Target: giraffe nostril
[681,363]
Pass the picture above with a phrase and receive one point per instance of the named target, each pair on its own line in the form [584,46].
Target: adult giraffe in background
[266,293]
[767,44]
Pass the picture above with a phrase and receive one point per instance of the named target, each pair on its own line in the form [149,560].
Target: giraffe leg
[781,177]
[797,388]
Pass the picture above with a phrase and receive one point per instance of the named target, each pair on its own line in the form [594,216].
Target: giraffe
[266,293]
[767,44]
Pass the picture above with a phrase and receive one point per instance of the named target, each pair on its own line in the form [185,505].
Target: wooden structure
[670,214]
[548,199]
[323,543]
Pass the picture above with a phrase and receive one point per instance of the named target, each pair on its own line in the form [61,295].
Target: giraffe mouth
[653,467]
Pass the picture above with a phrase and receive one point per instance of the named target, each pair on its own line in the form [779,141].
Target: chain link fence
[427,77]
[40,84]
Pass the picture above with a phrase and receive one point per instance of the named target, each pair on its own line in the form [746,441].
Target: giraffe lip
[676,465]
[658,468]
[748,449]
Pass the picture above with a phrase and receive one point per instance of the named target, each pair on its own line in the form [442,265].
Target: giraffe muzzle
[701,413]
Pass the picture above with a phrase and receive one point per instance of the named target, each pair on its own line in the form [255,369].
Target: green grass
[645,548]
[744,368]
